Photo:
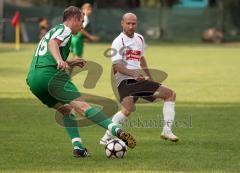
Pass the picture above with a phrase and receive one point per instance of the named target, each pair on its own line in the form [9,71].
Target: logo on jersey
[133,55]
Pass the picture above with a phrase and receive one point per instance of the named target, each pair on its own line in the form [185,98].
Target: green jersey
[44,80]
[42,56]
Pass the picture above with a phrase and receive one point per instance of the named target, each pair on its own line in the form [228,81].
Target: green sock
[71,126]
[101,119]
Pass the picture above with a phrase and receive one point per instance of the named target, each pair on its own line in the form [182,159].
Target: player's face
[129,26]
[77,24]
[88,11]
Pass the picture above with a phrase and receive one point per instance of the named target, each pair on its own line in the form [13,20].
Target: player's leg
[120,117]
[77,44]
[169,97]
[70,123]
[65,91]
[98,117]
[129,90]
[38,83]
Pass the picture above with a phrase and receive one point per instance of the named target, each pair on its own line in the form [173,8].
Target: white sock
[119,118]
[168,114]
[76,140]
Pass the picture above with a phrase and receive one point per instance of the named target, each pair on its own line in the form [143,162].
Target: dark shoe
[80,152]
[127,138]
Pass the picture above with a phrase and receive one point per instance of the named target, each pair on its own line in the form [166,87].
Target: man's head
[87,9]
[73,18]
[129,24]
[43,23]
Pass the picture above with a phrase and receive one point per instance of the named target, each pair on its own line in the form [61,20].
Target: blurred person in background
[43,27]
[77,42]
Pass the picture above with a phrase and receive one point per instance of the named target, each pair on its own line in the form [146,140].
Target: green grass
[205,77]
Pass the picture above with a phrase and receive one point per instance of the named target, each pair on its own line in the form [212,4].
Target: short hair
[86,5]
[71,12]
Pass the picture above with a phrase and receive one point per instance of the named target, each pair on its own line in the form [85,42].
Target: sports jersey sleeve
[62,33]
[143,46]
[142,43]
[116,51]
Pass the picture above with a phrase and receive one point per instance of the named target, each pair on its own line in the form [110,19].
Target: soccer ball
[115,148]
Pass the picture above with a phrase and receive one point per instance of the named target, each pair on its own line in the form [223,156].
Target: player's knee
[65,109]
[174,95]
[80,105]
[126,112]
[171,95]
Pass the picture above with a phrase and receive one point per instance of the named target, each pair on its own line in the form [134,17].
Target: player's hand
[62,65]
[139,78]
[148,78]
[94,38]
[77,62]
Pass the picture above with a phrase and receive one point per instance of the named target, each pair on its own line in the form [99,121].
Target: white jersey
[85,21]
[129,52]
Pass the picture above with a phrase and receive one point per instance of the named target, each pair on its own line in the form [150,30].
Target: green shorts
[77,43]
[52,86]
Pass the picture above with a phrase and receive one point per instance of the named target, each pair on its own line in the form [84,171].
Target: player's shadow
[94,72]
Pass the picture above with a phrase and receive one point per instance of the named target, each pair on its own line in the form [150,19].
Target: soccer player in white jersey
[127,63]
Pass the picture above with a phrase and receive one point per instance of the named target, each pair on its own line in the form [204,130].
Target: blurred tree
[165,11]
[168,3]
[150,3]
[212,3]
[50,2]
[233,8]
[97,3]
[117,3]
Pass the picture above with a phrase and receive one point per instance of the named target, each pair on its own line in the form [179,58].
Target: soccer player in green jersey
[77,42]
[50,60]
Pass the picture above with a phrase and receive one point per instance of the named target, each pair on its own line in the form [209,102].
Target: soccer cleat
[127,138]
[168,135]
[80,152]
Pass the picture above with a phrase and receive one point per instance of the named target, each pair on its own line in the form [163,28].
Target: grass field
[205,77]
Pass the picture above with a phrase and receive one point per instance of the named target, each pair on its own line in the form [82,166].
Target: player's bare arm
[144,66]
[53,46]
[76,62]
[89,36]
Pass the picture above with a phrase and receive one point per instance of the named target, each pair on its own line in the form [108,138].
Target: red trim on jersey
[133,55]
[59,42]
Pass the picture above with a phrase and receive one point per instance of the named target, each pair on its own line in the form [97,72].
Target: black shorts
[143,89]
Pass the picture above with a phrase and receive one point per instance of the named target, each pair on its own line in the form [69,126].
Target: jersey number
[42,47]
